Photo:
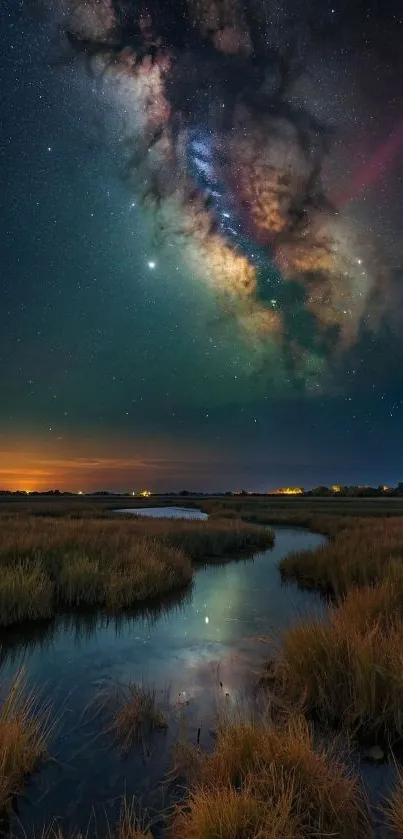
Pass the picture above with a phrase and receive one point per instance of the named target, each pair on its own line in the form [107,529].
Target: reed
[50,563]
[348,670]
[361,554]
[135,714]
[26,592]
[272,782]
[25,728]
[129,826]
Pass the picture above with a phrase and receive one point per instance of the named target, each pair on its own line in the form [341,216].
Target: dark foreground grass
[48,564]
[266,782]
[129,826]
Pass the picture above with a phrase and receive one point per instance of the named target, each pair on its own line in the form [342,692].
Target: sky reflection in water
[207,637]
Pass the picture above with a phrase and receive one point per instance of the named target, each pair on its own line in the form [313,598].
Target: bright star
[151,264]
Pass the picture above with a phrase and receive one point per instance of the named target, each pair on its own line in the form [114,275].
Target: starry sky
[201,249]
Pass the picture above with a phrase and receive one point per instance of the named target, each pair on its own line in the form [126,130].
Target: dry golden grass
[105,538]
[135,714]
[26,592]
[80,581]
[25,728]
[148,570]
[272,782]
[361,553]
[348,671]
[50,563]
[235,814]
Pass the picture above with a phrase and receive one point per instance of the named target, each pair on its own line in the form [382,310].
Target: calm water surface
[185,650]
[165,512]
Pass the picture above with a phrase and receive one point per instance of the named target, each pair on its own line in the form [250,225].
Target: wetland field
[231,675]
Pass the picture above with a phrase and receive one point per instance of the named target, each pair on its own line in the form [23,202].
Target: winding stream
[197,651]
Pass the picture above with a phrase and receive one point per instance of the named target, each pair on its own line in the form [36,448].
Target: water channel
[198,650]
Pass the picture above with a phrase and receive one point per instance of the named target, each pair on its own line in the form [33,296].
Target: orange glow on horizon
[68,464]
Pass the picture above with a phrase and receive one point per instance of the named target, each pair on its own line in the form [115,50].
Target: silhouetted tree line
[347,491]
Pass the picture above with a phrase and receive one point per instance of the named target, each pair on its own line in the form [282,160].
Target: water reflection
[82,625]
[199,648]
[165,512]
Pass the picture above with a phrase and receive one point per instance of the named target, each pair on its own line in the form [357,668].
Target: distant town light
[80,492]
[145,493]
[288,491]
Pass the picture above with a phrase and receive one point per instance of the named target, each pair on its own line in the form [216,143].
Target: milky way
[230,160]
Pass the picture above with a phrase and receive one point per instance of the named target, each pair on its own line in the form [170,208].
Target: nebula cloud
[232,170]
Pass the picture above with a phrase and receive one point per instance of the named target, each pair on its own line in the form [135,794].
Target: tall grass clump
[26,592]
[234,814]
[348,670]
[24,732]
[266,782]
[135,715]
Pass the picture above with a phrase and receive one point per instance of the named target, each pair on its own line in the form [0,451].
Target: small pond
[165,512]
[198,650]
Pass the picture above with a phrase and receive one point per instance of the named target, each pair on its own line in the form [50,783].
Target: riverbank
[178,654]
[48,564]
[349,650]
[358,648]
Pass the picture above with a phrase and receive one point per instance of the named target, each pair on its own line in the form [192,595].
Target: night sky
[201,244]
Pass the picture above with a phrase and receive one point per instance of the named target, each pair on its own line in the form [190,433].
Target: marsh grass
[234,814]
[135,716]
[348,670]
[80,581]
[25,728]
[221,537]
[147,570]
[272,782]
[49,564]
[362,553]
[129,826]
[26,592]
